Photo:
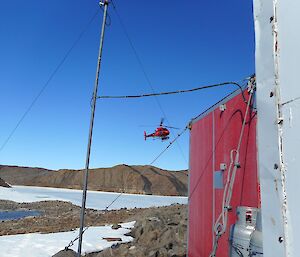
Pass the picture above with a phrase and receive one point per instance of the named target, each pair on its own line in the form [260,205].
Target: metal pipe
[85,183]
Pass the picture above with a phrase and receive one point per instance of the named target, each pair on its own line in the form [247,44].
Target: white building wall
[289,82]
[277,32]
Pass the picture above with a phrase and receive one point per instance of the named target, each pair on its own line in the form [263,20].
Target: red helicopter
[161,132]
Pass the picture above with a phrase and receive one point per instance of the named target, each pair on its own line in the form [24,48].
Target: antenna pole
[85,182]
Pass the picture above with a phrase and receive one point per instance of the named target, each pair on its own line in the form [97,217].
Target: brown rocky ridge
[136,179]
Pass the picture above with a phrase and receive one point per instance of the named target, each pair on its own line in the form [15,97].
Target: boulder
[65,253]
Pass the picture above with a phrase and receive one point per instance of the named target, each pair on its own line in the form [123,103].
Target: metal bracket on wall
[222,107]
[223,166]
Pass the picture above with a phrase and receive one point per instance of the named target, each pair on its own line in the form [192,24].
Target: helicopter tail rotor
[145,135]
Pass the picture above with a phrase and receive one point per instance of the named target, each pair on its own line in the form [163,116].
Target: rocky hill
[120,178]
[3,183]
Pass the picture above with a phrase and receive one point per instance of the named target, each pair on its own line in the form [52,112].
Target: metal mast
[85,183]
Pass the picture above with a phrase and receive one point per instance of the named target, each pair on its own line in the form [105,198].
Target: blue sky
[181,45]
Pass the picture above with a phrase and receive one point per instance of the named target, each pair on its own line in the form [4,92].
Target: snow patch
[46,245]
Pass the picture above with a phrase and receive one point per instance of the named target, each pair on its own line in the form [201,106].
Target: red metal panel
[201,188]
[227,129]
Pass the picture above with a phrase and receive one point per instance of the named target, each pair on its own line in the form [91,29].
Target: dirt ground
[158,231]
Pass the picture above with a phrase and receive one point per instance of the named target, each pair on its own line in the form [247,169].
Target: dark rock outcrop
[3,183]
[158,232]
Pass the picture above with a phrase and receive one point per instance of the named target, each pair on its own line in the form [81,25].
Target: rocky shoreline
[158,231]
